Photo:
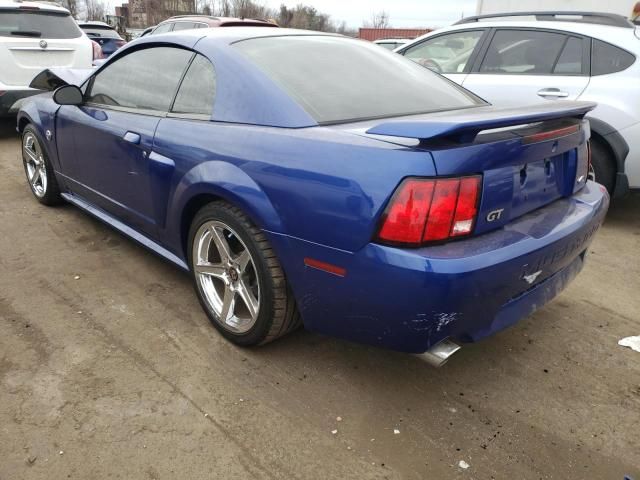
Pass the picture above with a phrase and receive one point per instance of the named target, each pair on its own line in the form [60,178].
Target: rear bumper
[11,100]
[409,300]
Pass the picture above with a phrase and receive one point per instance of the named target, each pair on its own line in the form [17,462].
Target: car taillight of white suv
[35,36]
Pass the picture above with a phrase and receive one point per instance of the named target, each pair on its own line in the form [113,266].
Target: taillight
[97,51]
[431,210]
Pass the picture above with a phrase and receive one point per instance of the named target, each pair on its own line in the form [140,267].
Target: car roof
[229,35]
[95,24]
[608,33]
[43,6]
[216,21]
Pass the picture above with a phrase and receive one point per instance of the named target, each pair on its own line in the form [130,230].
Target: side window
[198,89]
[163,28]
[183,26]
[445,53]
[570,61]
[606,58]
[523,51]
[144,79]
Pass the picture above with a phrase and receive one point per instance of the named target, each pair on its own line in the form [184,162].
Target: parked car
[186,22]
[367,197]
[147,31]
[520,58]
[392,43]
[34,36]
[103,34]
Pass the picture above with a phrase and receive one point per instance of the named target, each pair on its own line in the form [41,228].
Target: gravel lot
[109,369]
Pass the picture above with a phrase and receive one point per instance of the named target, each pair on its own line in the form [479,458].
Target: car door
[526,66]
[450,54]
[105,143]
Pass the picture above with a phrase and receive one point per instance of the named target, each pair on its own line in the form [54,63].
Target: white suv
[35,36]
[523,58]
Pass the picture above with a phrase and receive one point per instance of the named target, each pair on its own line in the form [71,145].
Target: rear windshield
[336,79]
[24,23]
[101,32]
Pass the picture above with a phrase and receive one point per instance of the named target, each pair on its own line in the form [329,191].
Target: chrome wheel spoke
[249,300]
[221,244]
[212,269]
[228,305]
[243,260]
[31,154]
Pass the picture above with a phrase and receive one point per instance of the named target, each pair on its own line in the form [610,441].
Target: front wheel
[38,168]
[238,278]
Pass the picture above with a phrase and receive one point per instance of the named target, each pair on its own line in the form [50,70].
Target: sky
[402,13]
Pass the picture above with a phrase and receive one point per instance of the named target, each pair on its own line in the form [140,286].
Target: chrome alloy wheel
[226,276]
[34,164]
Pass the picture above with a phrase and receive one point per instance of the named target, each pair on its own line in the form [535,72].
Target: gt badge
[495,215]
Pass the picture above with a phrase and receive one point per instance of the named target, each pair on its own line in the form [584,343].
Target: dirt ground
[109,369]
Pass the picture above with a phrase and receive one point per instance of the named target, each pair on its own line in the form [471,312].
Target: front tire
[238,278]
[38,168]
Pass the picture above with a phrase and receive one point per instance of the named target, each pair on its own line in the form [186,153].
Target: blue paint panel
[319,192]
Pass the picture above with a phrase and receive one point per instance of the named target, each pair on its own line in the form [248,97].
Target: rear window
[606,58]
[337,79]
[99,32]
[24,23]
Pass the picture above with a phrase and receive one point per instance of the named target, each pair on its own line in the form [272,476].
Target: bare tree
[96,10]
[378,20]
[72,6]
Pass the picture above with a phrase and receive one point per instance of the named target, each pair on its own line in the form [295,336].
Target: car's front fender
[40,111]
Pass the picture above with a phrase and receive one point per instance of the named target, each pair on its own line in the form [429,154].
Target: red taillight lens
[467,208]
[406,215]
[97,51]
[427,210]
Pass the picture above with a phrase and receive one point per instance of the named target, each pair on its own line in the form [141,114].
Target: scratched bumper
[408,300]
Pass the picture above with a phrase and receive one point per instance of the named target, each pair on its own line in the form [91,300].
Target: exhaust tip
[440,353]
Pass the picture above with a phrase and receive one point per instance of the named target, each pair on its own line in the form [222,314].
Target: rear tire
[238,279]
[38,168]
[604,166]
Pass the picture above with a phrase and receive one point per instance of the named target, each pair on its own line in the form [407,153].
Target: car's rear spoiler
[464,125]
[52,78]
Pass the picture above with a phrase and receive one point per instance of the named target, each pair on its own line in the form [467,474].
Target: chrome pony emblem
[43,44]
[532,278]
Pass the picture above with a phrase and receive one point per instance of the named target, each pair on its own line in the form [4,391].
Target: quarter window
[525,52]
[446,53]
[163,28]
[606,58]
[183,26]
[198,89]
[570,61]
[144,79]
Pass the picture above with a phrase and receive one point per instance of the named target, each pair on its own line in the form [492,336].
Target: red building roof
[373,34]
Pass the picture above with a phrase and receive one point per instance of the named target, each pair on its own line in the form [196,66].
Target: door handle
[131,137]
[553,93]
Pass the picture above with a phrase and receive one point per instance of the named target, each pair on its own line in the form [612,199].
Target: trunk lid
[528,157]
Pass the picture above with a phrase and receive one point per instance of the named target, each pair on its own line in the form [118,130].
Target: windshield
[336,79]
[102,32]
[38,24]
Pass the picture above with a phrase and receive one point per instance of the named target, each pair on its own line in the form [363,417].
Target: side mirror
[68,95]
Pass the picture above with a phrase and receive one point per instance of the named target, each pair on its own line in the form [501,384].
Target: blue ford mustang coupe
[310,178]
